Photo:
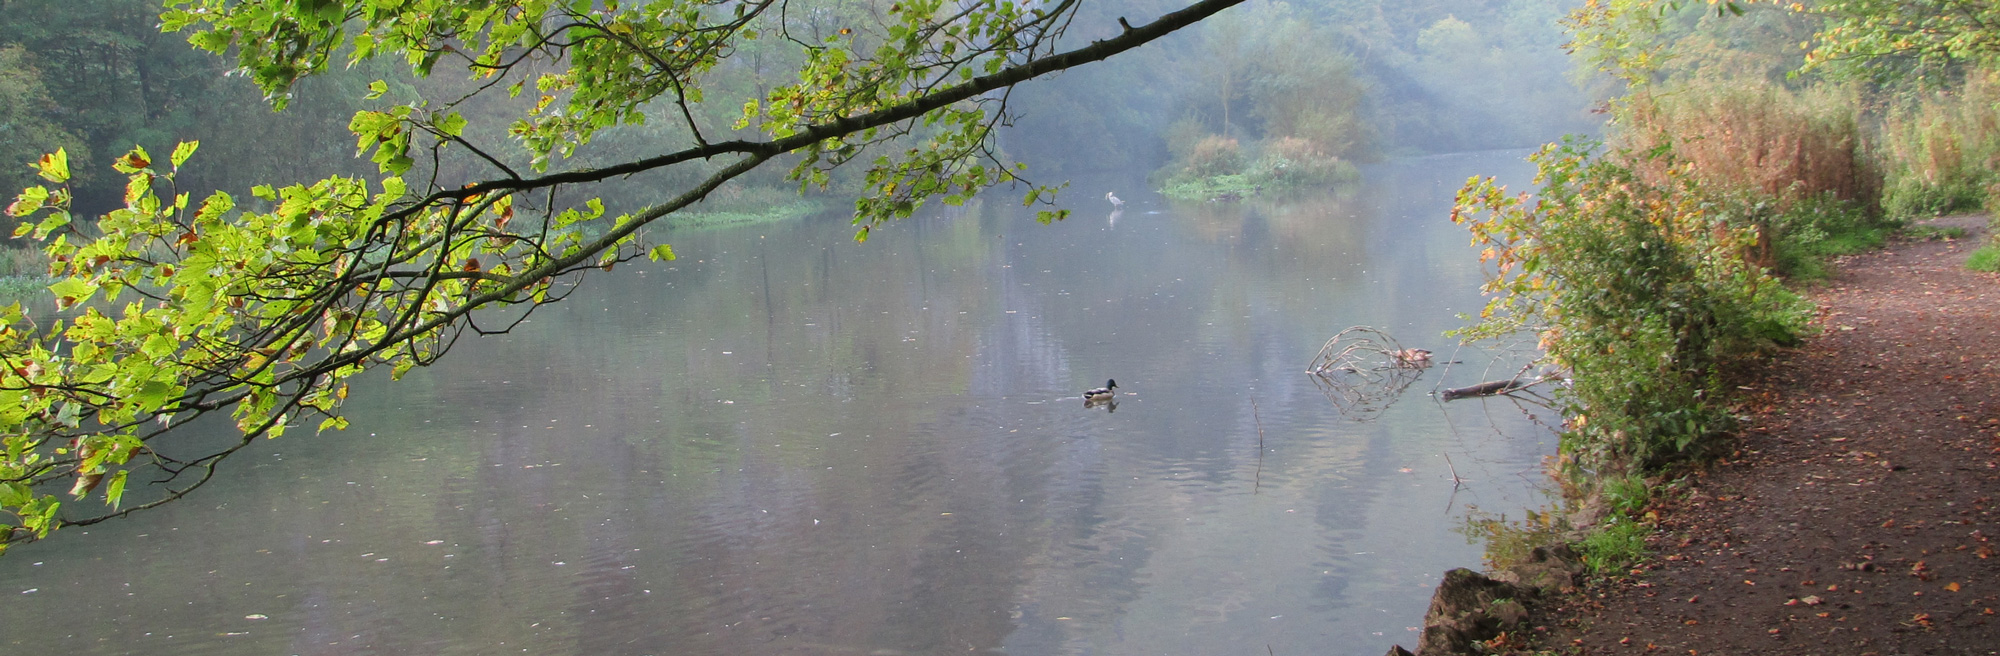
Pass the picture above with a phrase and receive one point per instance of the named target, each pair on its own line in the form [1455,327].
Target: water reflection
[789,443]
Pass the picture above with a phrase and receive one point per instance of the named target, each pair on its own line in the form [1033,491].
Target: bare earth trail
[1860,514]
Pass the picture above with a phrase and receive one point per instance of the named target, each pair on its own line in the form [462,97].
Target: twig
[1258,483]
[1455,480]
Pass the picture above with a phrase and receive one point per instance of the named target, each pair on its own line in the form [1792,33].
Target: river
[789,443]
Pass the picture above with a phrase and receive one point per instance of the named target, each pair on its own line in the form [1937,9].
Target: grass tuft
[1616,545]
[1987,259]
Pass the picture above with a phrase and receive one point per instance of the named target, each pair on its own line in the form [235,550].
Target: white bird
[1115,202]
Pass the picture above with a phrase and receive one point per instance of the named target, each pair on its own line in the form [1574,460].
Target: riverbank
[1857,512]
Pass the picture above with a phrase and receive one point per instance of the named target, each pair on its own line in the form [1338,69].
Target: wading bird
[1115,202]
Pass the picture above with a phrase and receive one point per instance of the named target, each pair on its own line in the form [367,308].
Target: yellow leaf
[1952,586]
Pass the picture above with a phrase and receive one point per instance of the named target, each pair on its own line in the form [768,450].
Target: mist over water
[785,442]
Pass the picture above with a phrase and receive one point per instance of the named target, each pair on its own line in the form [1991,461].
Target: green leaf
[159,345]
[29,202]
[53,167]
[153,394]
[73,290]
[14,495]
[115,491]
[452,124]
[183,151]
[661,253]
[133,161]
[216,41]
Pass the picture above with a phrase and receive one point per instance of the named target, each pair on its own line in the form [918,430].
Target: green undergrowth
[1609,547]
[1817,229]
[1614,545]
[1619,541]
[1610,536]
[1264,177]
[1987,258]
[702,220]
[1220,186]
[1933,233]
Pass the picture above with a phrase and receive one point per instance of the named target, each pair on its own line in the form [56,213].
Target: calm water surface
[788,443]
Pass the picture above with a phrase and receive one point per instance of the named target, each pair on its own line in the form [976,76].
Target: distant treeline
[1346,79]
[1299,88]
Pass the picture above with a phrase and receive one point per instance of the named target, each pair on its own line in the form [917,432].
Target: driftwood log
[1488,388]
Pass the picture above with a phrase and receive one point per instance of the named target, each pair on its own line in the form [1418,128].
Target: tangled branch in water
[1363,371]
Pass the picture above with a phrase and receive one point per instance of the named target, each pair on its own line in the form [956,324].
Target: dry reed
[1944,149]
[1757,137]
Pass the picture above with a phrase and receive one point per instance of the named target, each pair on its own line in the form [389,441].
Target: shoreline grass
[710,220]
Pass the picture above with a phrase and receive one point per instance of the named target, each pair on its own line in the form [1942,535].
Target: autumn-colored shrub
[1637,285]
[1214,155]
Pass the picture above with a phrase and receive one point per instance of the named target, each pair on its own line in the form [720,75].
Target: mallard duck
[1412,358]
[1101,393]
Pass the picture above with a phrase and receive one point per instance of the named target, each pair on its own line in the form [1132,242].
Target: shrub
[1639,286]
[1626,495]
[1295,162]
[1213,156]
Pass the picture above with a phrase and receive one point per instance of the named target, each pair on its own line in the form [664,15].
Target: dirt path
[1859,515]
